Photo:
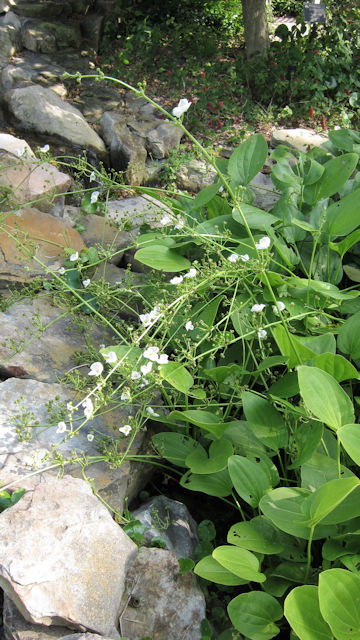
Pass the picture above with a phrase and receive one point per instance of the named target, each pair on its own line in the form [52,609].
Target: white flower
[61,271]
[166,220]
[74,256]
[94,197]
[261,334]
[135,375]
[245,257]
[148,318]
[279,306]
[257,308]
[45,148]
[90,437]
[70,407]
[189,326]
[96,369]
[163,359]
[191,273]
[221,189]
[126,429]
[144,383]
[180,223]
[176,280]
[88,407]
[233,258]
[61,427]
[86,283]
[146,368]
[92,176]
[111,357]
[151,353]
[184,105]
[151,412]
[125,395]
[264,243]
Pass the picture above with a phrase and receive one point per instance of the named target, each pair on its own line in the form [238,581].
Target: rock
[42,404]
[300,139]
[93,99]
[195,176]
[4,6]
[126,151]
[29,181]
[84,636]
[171,521]
[91,28]
[47,37]
[7,44]
[53,561]
[136,211]
[159,602]
[265,193]
[47,237]
[57,117]
[41,9]
[17,628]
[163,139]
[16,146]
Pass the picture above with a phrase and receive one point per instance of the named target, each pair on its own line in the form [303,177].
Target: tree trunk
[256,27]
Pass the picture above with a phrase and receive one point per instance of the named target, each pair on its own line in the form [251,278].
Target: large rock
[29,233]
[63,560]
[136,211]
[7,44]
[47,37]
[17,628]
[159,602]
[162,139]
[300,139]
[31,410]
[264,191]
[41,8]
[57,117]
[15,146]
[126,151]
[194,176]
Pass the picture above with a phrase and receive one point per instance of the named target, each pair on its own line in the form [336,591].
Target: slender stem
[308,563]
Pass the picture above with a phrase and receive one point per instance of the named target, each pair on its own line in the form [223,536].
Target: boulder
[265,192]
[300,139]
[126,151]
[161,140]
[47,37]
[16,146]
[136,211]
[17,628]
[160,603]
[41,8]
[54,563]
[194,176]
[8,44]
[57,117]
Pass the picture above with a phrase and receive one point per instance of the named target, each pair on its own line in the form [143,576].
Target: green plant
[8,500]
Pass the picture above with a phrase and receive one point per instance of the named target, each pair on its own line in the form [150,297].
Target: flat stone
[57,117]
[161,140]
[17,628]
[30,181]
[53,561]
[16,146]
[126,151]
[93,99]
[300,139]
[21,460]
[195,176]
[47,37]
[168,605]
[41,8]
[136,211]
[46,239]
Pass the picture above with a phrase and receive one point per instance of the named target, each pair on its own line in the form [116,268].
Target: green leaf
[325,499]
[342,247]
[248,159]
[219,452]
[254,614]
[342,545]
[186,565]
[177,375]
[203,419]
[206,530]
[324,397]
[159,257]
[257,535]
[175,447]
[344,139]
[313,171]
[265,421]
[256,218]
[307,439]
[352,272]
[339,602]
[302,611]
[212,570]
[251,478]
[336,172]
[324,343]
[343,216]
[72,278]
[283,176]
[320,469]
[349,436]
[336,366]
[215,484]
[349,337]
[205,196]
[241,437]
[285,387]
[128,355]
[239,561]
[291,347]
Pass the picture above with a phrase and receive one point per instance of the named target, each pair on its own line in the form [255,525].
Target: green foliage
[7,500]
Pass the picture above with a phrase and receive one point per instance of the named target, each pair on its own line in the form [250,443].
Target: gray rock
[171,521]
[17,628]
[300,139]
[50,8]
[8,46]
[15,146]
[57,117]
[47,37]
[159,602]
[91,28]
[93,99]
[136,211]
[84,636]
[4,6]
[54,563]
[160,141]
[195,176]
[265,193]
[10,18]
[126,151]
[39,406]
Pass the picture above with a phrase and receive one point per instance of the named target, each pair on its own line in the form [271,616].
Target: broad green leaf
[205,196]
[285,387]
[265,421]
[312,171]
[248,159]
[342,545]
[206,530]
[175,447]
[325,343]
[322,288]
[325,499]
[255,218]
[349,436]
[203,419]
[339,602]
[257,535]
[177,375]
[291,347]
[336,366]
[154,238]
[185,565]
[347,510]
[343,216]
[72,278]
[302,611]
[221,374]
[352,272]
[162,258]
[243,439]
[212,570]
[324,397]
[251,478]
[342,247]
[283,176]
[254,614]
[352,562]
[336,172]
[349,337]
[344,139]
[239,561]
[320,469]
[307,439]
[219,451]
[127,355]
[215,484]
